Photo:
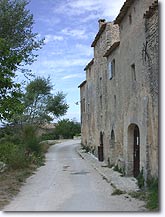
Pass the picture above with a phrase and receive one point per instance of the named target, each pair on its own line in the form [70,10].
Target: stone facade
[120,94]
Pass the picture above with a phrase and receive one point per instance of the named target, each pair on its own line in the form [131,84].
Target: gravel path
[69,183]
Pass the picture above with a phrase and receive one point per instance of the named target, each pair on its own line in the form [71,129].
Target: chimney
[101,22]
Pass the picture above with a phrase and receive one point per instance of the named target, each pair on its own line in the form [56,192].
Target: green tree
[17,46]
[10,93]
[40,104]
[57,105]
[67,129]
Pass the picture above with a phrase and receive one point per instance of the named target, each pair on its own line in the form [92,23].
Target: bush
[140,179]
[48,136]
[13,155]
[153,194]
[30,139]
[67,129]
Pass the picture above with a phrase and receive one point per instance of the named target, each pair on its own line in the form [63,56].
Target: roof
[127,4]
[151,10]
[112,48]
[101,30]
[82,84]
[89,64]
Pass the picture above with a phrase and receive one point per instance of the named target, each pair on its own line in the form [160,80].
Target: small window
[112,140]
[115,101]
[130,19]
[101,101]
[101,138]
[133,72]
[89,72]
[111,69]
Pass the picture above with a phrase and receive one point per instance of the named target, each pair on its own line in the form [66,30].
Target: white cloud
[73,76]
[84,50]
[92,8]
[65,63]
[49,21]
[78,33]
[111,8]
[51,38]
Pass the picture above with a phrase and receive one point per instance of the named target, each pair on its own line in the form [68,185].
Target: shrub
[116,168]
[140,179]
[13,155]
[153,194]
[67,129]
[30,139]
[47,136]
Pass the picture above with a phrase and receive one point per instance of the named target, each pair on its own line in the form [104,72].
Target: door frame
[133,150]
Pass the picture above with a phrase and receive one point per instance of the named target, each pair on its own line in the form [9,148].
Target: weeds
[118,192]
[116,168]
[153,194]
[86,148]
[140,179]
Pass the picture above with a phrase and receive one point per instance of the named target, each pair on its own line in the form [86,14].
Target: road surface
[68,183]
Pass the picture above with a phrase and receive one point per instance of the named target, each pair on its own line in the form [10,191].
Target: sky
[69,28]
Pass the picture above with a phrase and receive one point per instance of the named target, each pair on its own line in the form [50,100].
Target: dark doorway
[100,148]
[136,152]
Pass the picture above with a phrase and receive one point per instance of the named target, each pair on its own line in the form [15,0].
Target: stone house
[119,99]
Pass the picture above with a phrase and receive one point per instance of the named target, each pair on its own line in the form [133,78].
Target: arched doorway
[133,150]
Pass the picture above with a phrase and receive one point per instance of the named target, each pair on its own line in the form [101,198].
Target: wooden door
[136,152]
[100,148]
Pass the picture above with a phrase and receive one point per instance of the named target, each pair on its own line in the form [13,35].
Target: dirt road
[68,183]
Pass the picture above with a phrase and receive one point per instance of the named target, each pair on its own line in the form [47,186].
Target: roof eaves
[82,84]
[151,10]
[101,30]
[127,4]
[112,48]
[89,64]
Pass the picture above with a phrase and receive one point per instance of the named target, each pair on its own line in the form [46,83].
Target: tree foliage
[16,28]
[17,46]
[67,129]
[40,104]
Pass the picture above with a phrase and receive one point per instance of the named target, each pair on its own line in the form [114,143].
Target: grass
[153,194]
[10,182]
[150,195]
[118,192]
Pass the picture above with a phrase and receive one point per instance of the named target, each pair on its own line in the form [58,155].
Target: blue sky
[69,27]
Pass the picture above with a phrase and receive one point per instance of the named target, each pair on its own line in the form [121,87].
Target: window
[130,19]
[100,82]
[89,72]
[111,69]
[112,140]
[133,72]
[101,101]
[115,101]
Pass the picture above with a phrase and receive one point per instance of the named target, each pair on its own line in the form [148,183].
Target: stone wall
[125,98]
[151,61]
